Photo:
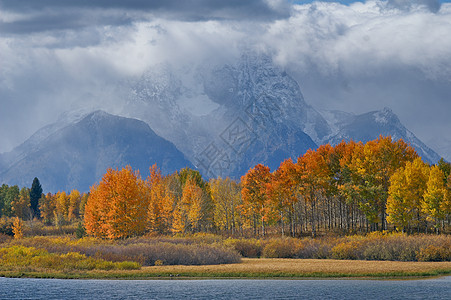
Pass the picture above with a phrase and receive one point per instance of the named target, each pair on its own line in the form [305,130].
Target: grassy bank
[376,255]
[262,268]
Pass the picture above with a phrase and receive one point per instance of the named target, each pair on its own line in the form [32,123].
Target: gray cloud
[56,55]
[48,15]
[432,5]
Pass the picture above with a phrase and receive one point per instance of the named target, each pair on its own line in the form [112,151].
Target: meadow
[378,255]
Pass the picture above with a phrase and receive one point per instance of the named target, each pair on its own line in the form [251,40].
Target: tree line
[351,187]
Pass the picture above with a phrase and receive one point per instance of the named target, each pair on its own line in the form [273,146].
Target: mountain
[368,126]
[227,118]
[77,154]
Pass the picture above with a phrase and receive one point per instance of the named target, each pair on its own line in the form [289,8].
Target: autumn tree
[117,206]
[346,183]
[21,206]
[283,193]
[83,200]
[74,205]
[47,207]
[315,179]
[18,228]
[434,197]
[161,202]
[226,196]
[8,196]
[188,212]
[381,158]
[62,203]
[254,194]
[407,187]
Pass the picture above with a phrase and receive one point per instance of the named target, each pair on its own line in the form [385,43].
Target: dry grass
[290,268]
[303,266]
[268,268]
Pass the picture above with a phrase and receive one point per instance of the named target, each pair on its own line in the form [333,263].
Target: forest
[349,188]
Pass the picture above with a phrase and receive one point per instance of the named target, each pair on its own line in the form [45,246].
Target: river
[18,288]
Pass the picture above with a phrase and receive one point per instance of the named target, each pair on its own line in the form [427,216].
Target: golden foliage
[117,206]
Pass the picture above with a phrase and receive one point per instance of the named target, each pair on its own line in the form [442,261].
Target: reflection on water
[16,288]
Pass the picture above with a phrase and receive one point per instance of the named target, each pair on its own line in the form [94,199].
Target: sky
[355,56]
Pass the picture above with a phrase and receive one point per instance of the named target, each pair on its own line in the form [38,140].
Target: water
[17,288]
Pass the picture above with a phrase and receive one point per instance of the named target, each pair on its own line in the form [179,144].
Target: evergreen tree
[35,195]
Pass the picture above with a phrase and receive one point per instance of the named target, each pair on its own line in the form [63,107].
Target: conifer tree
[35,195]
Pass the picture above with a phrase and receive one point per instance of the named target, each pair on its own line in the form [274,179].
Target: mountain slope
[76,156]
[369,126]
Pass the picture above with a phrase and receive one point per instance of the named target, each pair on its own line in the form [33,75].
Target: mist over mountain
[220,119]
[226,118]
[76,156]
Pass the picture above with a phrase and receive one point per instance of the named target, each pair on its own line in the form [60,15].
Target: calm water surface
[16,288]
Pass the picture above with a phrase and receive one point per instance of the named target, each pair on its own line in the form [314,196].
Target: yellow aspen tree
[192,194]
[381,158]
[18,228]
[74,205]
[446,204]
[434,196]
[407,187]
[161,202]
[83,200]
[21,206]
[47,208]
[226,196]
[62,208]
[179,220]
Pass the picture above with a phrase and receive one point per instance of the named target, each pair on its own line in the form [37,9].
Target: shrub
[435,253]
[159,262]
[315,248]
[245,247]
[29,258]
[4,238]
[281,248]
[346,250]
[6,226]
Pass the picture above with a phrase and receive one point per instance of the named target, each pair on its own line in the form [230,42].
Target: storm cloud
[57,55]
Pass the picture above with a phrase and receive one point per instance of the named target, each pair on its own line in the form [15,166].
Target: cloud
[56,15]
[59,54]
[432,5]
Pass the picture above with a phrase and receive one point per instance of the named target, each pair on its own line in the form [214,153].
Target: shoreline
[261,268]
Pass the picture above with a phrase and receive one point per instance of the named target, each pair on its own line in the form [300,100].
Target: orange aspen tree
[254,195]
[315,173]
[117,206]
[283,193]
